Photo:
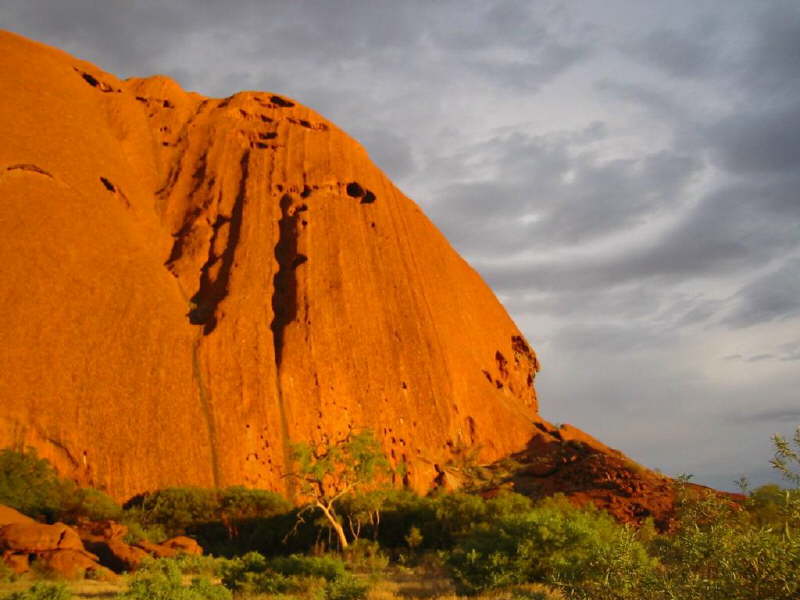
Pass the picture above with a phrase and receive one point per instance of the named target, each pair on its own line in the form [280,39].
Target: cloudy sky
[624,174]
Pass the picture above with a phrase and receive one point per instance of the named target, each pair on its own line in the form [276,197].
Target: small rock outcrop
[56,547]
[92,548]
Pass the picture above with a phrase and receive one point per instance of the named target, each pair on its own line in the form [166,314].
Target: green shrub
[319,578]
[30,484]
[239,502]
[87,503]
[137,532]
[366,555]
[327,567]
[162,580]
[222,520]
[6,573]
[175,508]
[553,543]
[42,591]
[718,553]
[203,564]
[347,587]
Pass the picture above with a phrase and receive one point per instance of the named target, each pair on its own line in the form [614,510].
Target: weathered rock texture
[56,548]
[189,284]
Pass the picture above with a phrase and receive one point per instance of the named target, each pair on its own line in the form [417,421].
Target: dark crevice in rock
[368,198]
[94,81]
[213,290]
[30,168]
[284,284]
[108,185]
[282,102]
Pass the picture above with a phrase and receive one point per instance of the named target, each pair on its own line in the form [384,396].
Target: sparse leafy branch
[331,471]
[787,458]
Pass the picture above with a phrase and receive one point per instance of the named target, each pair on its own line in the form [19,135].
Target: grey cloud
[548,190]
[786,414]
[774,296]
[759,142]
[733,229]
[389,151]
[771,66]
[688,54]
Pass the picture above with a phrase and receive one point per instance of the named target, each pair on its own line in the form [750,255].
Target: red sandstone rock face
[189,284]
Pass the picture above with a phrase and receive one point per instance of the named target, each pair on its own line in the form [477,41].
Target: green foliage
[42,591]
[210,515]
[787,458]
[162,580]
[6,573]
[30,485]
[321,578]
[175,508]
[552,543]
[238,502]
[327,567]
[348,587]
[719,553]
[330,472]
[366,555]
[198,564]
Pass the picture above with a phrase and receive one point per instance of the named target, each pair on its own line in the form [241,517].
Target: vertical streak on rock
[205,405]
[284,308]
[208,297]
[213,291]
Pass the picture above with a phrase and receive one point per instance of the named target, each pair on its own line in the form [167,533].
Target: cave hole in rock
[268,135]
[355,190]
[108,185]
[368,198]
[282,102]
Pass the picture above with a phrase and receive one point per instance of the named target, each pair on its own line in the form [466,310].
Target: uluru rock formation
[189,284]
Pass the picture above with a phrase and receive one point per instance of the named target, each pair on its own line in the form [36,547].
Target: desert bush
[31,485]
[221,520]
[554,543]
[328,567]
[42,591]
[719,553]
[239,502]
[162,580]
[199,564]
[321,577]
[366,555]
[174,508]
[347,587]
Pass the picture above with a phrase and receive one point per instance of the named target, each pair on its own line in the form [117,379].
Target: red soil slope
[189,284]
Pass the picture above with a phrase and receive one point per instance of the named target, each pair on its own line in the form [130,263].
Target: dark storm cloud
[735,228]
[771,297]
[688,54]
[760,142]
[771,66]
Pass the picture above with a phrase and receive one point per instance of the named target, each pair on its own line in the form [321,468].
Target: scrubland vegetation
[442,545]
